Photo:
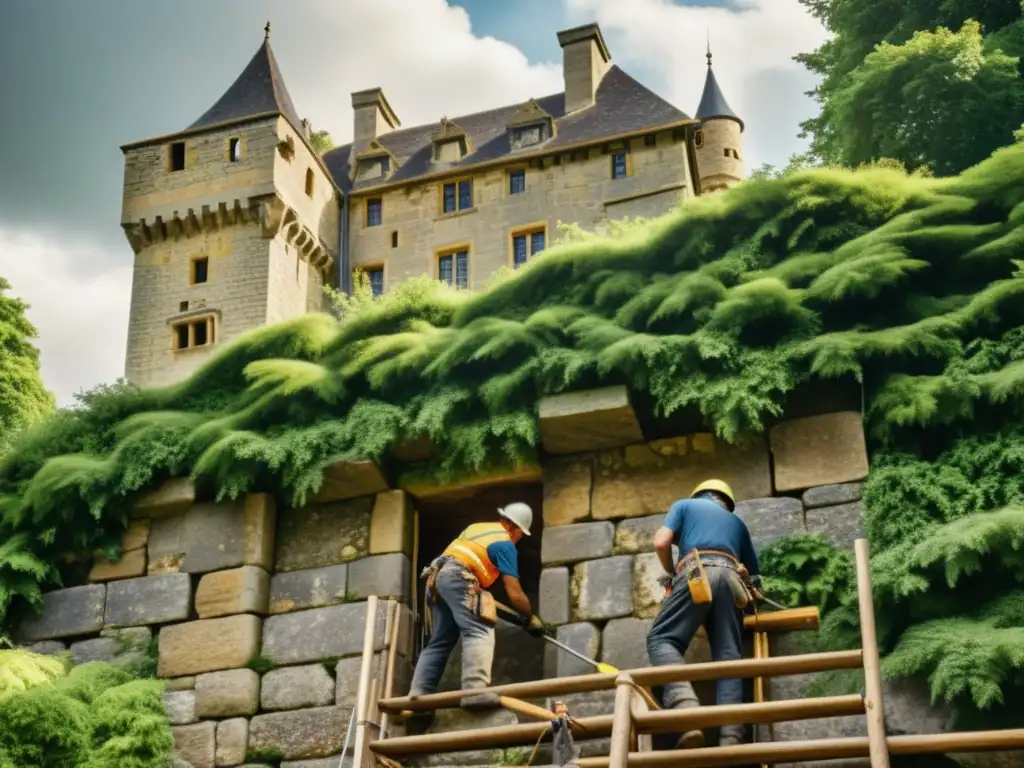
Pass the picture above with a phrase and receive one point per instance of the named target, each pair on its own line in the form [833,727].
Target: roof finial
[709,48]
[266,31]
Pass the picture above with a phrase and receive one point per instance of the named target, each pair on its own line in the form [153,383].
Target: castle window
[453,268]
[457,196]
[200,270]
[376,277]
[698,138]
[650,140]
[183,306]
[526,244]
[197,332]
[177,151]
[516,182]
[527,136]
[234,150]
[619,166]
[394,239]
[309,182]
[374,212]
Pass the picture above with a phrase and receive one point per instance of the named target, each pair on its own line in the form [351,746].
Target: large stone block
[637,534]
[554,595]
[469,486]
[572,543]
[602,589]
[391,523]
[647,479]
[624,643]
[171,498]
[312,588]
[841,525]
[350,480]
[576,422]
[196,744]
[48,647]
[319,633]
[121,647]
[260,530]
[819,450]
[648,594]
[303,733]
[346,674]
[210,537]
[228,693]
[297,687]
[323,534]
[832,495]
[148,600]
[133,555]
[582,637]
[66,613]
[232,741]
[771,519]
[239,590]
[386,576]
[208,645]
[567,485]
[319,762]
[181,707]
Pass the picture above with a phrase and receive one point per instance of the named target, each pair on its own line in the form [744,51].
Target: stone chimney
[373,117]
[585,59]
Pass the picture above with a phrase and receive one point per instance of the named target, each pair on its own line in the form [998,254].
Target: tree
[23,398]
[321,141]
[896,82]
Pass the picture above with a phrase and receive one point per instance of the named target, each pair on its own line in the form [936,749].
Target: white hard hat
[520,514]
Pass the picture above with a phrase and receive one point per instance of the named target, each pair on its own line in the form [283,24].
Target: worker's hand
[535,626]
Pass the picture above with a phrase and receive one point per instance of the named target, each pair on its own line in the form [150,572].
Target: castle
[237,222]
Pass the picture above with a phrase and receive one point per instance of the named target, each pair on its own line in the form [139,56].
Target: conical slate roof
[258,90]
[712,102]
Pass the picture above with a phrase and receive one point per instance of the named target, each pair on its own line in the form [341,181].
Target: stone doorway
[517,655]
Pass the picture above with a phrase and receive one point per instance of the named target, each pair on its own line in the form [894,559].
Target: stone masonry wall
[257,617]
[575,190]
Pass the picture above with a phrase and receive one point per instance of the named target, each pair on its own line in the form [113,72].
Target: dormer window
[375,163]
[451,143]
[527,135]
[529,126]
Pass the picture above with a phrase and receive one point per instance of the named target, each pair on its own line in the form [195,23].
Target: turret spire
[712,103]
[266,31]
[709,49]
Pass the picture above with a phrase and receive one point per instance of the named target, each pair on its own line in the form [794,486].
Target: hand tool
[601,666]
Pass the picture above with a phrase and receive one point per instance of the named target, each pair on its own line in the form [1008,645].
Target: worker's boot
[694,738]
[731,736]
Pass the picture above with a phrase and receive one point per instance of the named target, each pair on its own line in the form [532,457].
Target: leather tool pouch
[741,596]
[488,611]
[431,584]
[696,578]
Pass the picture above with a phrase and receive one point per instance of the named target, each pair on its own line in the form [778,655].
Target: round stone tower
[719,139]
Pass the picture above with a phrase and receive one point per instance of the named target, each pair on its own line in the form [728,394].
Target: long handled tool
[601,666]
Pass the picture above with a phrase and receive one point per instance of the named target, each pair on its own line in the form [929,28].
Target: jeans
[453,618]
[678,621]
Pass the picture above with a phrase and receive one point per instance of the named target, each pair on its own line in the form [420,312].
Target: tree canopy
[23,398]
[930,83]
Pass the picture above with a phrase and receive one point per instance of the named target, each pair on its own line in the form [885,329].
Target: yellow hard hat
[718,486]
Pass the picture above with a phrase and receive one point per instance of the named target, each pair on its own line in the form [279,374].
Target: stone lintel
[819,450]
[171,498]
[349,480]
[463,489]
[594,420]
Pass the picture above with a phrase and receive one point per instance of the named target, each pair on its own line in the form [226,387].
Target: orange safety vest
[470,549]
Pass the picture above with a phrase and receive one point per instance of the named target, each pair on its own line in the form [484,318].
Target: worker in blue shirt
[711,594]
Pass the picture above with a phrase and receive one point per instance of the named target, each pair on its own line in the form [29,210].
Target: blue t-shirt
[703,524]
[504,556]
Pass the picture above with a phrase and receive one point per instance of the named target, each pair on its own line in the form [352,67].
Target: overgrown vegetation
[95,716]
[906,283]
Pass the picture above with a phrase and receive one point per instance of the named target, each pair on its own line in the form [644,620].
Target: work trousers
[453,618]
[678,621]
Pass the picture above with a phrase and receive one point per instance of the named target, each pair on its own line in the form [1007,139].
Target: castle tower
[719,139]
[234,224]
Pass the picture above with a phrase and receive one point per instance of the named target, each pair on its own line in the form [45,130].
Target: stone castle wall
[258,613]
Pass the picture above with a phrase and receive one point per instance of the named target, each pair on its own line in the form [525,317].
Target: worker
[461,605]
[708,588]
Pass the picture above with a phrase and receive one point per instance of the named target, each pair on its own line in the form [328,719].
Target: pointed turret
[719,140]
[259,90]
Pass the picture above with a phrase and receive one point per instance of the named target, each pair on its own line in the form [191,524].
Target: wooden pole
[360,752]
[526,709]
[622,722]
[789,620]
[675,720]
[873,701]
[760,652]
[644,676]
[394,614]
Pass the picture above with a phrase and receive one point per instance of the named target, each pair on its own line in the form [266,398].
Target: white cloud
[423,53]
[753,59]
[81,313]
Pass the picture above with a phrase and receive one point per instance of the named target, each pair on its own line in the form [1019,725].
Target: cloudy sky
[81,78]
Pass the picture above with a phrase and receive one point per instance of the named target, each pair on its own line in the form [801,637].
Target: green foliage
[21,669]
[95,717]
[23,398]
[807,570]
[899,79]
[511,756]
[321,141]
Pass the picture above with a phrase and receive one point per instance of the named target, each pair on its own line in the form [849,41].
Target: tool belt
[480,603]
[691,565]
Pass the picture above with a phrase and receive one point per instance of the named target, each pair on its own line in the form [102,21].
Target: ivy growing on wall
[906,283]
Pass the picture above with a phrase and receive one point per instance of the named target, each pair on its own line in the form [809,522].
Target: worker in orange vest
[461,605]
